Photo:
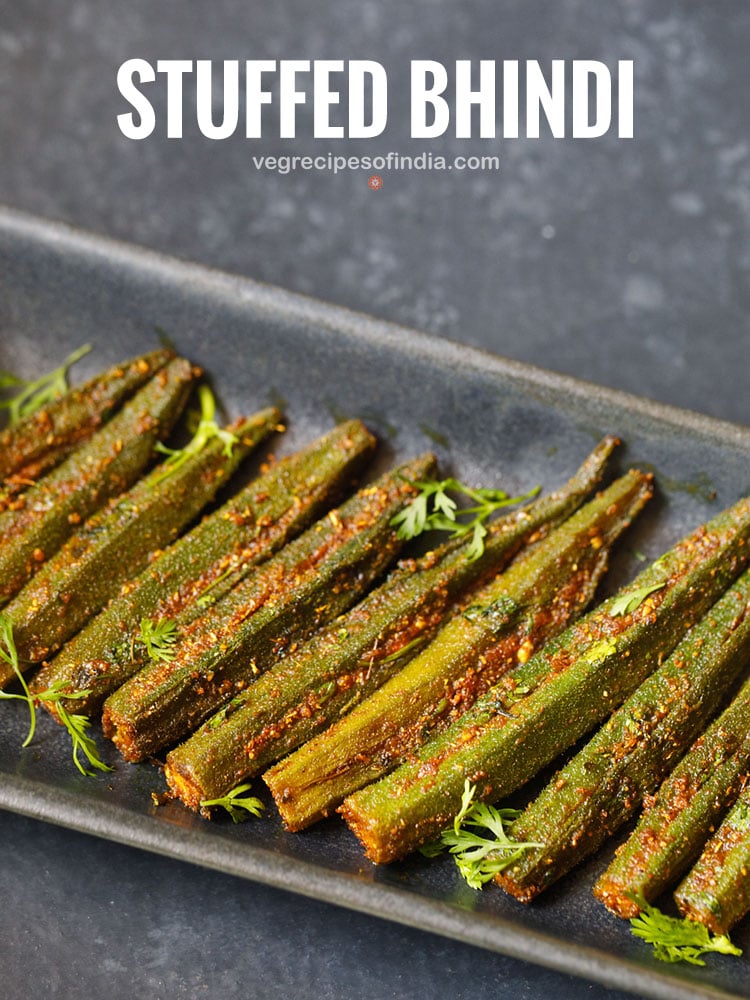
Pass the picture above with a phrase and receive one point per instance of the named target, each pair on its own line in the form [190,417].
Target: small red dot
[375,182]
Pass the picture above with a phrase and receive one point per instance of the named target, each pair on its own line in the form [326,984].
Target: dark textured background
[626,263]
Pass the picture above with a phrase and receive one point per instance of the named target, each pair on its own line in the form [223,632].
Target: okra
[43,439]
[344,663]
[102,468]
[194,572]
[507,619]
[716,892]
[559,695]
[307,584]
[117,542]
[597,791]
[687,808]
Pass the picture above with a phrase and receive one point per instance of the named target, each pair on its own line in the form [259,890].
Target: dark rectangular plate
[491,422]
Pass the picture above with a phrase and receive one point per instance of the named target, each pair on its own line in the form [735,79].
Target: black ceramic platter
[491,422]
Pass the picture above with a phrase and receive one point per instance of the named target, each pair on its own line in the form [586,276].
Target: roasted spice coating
[118,541]
[507,620]
[686,810]
[306,585]
[603,785]
[101,468]
[716,892]
[575,682]
[344,663]
[42,440]
[198,569]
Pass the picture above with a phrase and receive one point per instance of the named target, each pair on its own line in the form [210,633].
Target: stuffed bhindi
[344,663]
[596,792]
[43,439]
[117,542]
[307,584]
[505,622]
[202,566]
[687,808]
[102,468]
[716,892]
[559,695]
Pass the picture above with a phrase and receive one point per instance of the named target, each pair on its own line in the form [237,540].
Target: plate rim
[342,319]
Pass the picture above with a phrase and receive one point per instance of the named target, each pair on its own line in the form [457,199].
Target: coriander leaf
[408,649]
[444,504]
[206,429]
[31,396]
[480,858]
[412,520]
[677,939]
[9,654]
[159,639]
[237,804]
[476,546]
[626,603]
[432,509]
[76,725]
[600,651]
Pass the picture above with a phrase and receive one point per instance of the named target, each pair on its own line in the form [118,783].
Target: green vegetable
[102,468]
[201,567]
[544,706]
[306,585]
[344,663]
[119,541]
[596,792]
[676,940]
[43,439]
[716,891]
[508,618]
[688,807]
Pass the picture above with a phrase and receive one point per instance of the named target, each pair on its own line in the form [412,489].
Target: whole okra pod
[344,663]
[716,892]
[102,468]
[42,440]
[689,805]
[194,572]
[117,542]
[307,584]
[596,792]
[506,621]
[563,691]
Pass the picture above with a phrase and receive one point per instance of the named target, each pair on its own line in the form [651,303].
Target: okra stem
[563,691]
[102,468]
[604,784]
[344,663]
[117,542]
[508,618]
[675,826]
[43,439]
[307,584]
[194,572]
[716,892]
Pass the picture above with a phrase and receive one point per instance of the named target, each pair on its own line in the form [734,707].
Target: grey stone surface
[626,263]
